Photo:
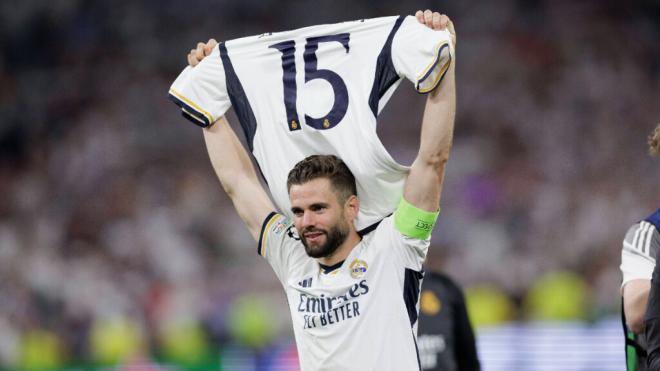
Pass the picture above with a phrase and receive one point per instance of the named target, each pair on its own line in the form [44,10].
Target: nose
[308,219]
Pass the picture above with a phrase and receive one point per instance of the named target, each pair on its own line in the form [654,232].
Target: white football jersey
[361,315]
[318,90]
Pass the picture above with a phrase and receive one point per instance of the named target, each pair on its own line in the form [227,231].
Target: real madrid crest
[358,268]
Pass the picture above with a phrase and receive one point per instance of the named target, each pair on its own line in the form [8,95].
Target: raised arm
[236,173]
[424,183]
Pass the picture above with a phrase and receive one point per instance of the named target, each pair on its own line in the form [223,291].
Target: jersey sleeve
[408,251]
[279,244]
[201,91]
[638,255]
[421,54]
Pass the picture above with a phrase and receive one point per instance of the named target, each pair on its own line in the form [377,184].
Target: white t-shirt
[640,249]
[361,315]
[318,90]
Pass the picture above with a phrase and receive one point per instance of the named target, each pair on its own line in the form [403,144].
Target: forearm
[237,175]
[426,176]
[635,298]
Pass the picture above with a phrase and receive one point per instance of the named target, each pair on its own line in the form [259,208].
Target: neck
[343,250]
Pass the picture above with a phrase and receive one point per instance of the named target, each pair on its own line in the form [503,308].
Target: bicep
[423,186]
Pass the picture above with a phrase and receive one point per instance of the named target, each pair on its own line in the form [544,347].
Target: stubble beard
[333,239]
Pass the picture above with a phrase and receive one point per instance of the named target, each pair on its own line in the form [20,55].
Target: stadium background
[119,248]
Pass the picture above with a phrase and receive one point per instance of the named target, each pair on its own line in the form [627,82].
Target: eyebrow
[313,206]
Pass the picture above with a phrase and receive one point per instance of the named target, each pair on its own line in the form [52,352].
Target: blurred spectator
[444,334]
[557,296]
[488,305]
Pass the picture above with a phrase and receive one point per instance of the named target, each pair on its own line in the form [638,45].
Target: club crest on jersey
[358,268]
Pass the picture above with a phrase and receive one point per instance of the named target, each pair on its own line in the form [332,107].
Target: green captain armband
[414,222]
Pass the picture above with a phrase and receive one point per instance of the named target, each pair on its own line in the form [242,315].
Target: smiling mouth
[313,236]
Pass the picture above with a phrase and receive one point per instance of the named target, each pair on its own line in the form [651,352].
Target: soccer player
[446,341]
[638,258]
[352,296]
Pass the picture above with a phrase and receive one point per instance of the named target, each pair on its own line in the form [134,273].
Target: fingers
[199,52]
[433,20]
[420,16]
[428,18]
[202,50]
[208,48]
[192,59]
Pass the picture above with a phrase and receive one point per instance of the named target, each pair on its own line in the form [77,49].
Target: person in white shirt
[640,287]
[353,297]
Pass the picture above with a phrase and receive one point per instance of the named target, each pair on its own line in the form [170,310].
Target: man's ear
[352,206]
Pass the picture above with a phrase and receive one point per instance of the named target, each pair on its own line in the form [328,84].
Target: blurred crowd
[117,242]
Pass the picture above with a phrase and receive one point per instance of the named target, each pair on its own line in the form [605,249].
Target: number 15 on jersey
[312,72]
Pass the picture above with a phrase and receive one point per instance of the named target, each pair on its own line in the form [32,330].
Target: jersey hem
[428,71]
[190,110]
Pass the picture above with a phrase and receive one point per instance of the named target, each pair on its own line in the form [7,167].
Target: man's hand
[436,21]
[432,20]
[203,49]
[423,187]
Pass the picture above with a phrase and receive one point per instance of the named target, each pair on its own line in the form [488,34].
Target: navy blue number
[288,50]
[312,72]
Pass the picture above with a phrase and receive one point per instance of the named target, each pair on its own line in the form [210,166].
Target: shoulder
[277,229]
[642,238]
[385,228]
[654,219]
[641,231]
[439,278]
[631,232]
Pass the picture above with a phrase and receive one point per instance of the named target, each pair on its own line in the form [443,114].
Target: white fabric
[368,327]
[639,251]
[417,53]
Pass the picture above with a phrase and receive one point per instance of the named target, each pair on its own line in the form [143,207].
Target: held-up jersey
[318,90]
[363,314]
[638,258]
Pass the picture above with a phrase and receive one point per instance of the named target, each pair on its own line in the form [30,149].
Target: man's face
[320,219]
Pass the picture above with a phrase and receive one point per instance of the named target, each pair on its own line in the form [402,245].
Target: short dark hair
[324,166]
[654,142]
